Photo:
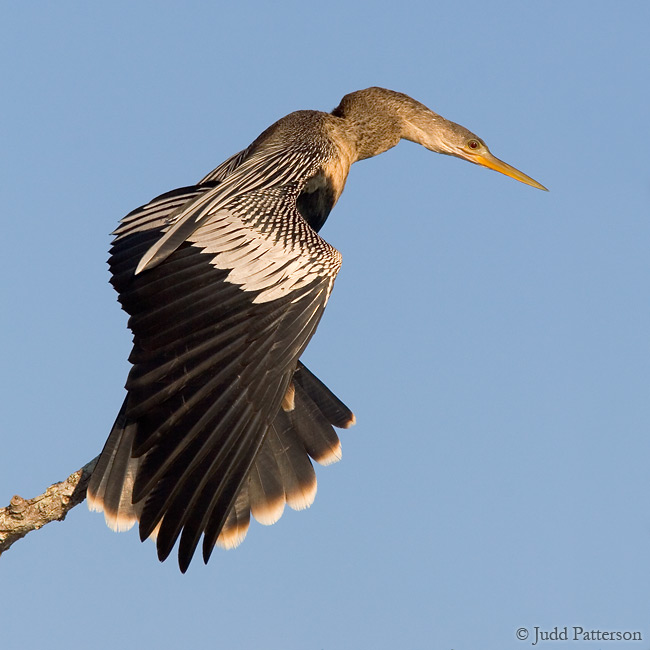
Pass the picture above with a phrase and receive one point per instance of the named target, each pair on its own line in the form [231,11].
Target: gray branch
[22,516]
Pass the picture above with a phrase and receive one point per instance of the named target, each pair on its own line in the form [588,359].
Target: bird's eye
[473,144]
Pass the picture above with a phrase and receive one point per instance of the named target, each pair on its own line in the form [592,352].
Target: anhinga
[225,282]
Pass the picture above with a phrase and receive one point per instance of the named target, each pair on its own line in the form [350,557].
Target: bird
[225,282]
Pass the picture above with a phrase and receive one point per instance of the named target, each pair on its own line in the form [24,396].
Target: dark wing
[218,329]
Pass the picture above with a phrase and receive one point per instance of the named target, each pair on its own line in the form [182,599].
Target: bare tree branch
[22,516]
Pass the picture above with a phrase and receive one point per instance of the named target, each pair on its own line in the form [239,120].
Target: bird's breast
[321,192]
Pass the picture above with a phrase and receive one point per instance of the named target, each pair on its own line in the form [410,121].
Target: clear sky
[492,339]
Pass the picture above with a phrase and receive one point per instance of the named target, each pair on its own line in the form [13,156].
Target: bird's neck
[376,119]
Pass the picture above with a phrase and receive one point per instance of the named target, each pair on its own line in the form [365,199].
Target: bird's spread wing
[219,324]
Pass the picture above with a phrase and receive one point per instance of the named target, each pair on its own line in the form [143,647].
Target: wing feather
[269,167]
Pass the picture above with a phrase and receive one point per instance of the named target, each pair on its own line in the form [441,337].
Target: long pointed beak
[486,159]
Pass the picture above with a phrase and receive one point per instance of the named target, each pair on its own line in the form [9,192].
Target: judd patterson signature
[576,633]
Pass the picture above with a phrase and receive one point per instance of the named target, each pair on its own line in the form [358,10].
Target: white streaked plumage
[257,262]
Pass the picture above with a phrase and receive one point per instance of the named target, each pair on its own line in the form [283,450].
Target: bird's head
[381,117]
[437,134]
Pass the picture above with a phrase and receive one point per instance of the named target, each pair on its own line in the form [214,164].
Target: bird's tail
[280,473]
[111,485]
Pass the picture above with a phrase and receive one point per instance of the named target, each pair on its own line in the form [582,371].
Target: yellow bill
[486,159]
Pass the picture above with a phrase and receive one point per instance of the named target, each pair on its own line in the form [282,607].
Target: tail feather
[265,487]
[314,430]
[329,404]
[111,485]
[298,476]
[237,523]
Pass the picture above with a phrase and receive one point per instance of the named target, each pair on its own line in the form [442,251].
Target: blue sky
[492,339]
